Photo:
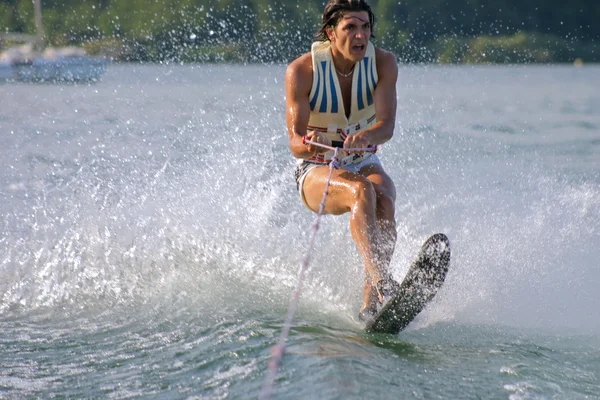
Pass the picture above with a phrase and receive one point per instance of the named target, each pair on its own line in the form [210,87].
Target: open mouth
[358,47]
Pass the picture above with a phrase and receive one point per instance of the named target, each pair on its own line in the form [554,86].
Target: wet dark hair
[335,9]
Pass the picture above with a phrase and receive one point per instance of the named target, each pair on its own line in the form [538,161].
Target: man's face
[351,35]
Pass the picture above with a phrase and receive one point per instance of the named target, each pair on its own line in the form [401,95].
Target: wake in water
[164,249]
[205,203]
[138,228]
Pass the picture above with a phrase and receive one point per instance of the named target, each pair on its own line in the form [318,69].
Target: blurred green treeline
[448,31]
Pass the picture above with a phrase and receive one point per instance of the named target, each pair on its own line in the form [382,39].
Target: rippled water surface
[151,236]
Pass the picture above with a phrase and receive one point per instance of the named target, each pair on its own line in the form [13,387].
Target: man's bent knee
[363,191]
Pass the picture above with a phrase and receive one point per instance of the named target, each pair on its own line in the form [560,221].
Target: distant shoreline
[520,48]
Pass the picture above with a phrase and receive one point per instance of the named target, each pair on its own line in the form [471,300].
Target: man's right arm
[298,83]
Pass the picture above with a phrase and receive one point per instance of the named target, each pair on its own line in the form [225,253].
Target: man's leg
[352,193]
[386,232]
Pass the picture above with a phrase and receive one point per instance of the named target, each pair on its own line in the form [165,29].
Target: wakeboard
[423,279]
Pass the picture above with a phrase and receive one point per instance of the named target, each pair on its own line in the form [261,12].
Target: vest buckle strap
[354,158]
[352,129]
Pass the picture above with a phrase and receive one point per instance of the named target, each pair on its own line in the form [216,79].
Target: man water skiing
[344,90]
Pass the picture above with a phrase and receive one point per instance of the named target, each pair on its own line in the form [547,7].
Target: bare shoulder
[387,63]
[300,69]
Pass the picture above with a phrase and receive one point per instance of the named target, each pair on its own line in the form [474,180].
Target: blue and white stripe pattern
[325,85]
[326,94]
[366,70]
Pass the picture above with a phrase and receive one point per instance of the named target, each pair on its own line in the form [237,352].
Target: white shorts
[304,167]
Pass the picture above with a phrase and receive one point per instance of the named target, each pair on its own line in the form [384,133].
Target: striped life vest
[327,114]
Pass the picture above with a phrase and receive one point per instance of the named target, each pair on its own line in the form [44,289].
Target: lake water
[151,235]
